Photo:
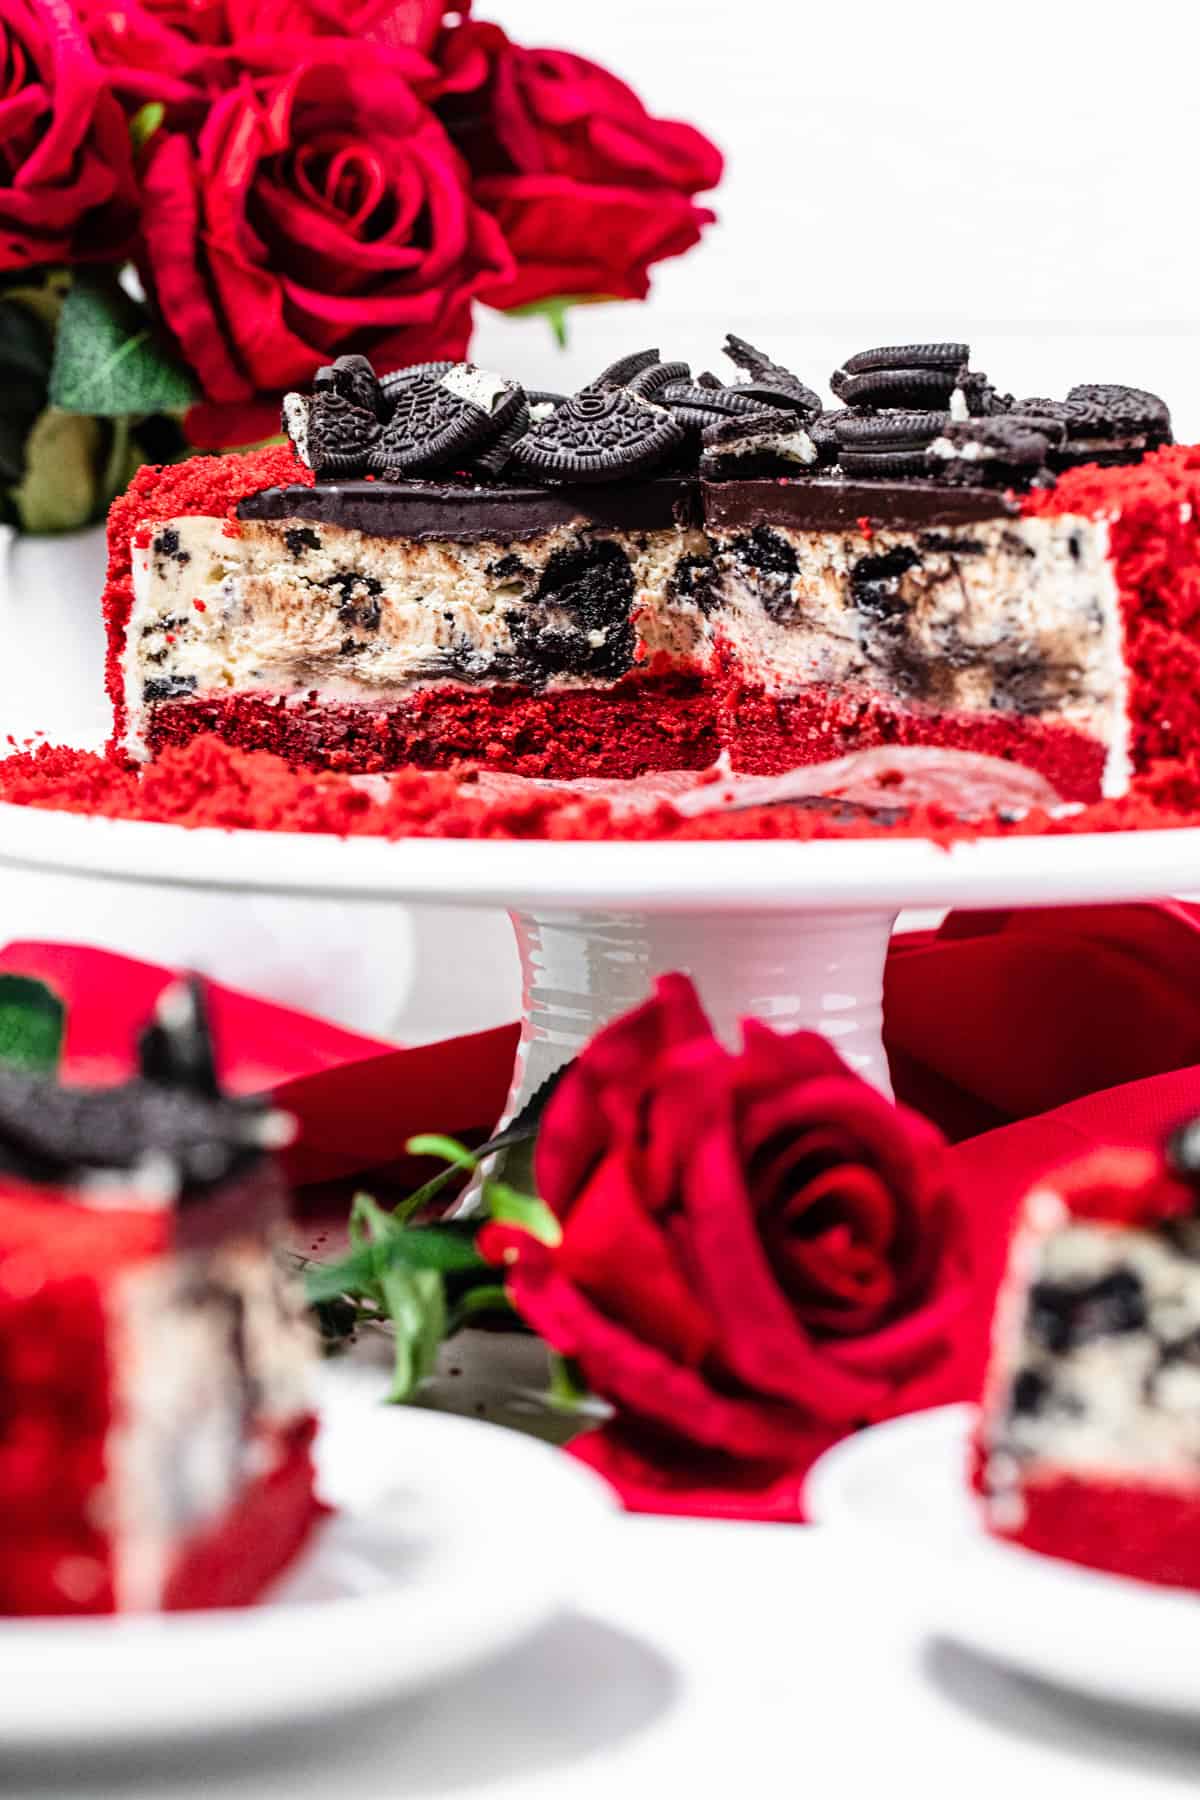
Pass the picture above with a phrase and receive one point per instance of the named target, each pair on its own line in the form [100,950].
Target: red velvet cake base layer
[1147,1533]
[235,1558]
[643,724]
[768,735]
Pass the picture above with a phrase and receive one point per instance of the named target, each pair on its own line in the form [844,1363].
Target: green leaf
[145,122]
[107,360]
[449,1148]
[568,1390]
[508,1207]
[556,309]
[489,1297]
[442,1248]
[32,1021]
[416,1305]
[525,1125]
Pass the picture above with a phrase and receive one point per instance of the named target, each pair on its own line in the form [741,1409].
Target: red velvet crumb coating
[56,1265]
[1154,508]
[1124,1188]
[208,782]
[1125,1528]
[208,486]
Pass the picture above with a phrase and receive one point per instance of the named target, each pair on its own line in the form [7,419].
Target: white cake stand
[792,932]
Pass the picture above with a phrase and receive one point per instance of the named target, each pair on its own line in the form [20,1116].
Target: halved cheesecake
[661,569]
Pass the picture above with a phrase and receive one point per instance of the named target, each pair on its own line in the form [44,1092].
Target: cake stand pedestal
[821,970]
[795,933]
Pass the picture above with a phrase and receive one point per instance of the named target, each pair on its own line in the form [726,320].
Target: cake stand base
[819,971]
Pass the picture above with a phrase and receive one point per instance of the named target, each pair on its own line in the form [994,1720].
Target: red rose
[66,176]
[313,214]
[178,51]
[758,1251]
[588,187]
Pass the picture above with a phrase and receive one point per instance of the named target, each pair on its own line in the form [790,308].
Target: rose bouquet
[202,201]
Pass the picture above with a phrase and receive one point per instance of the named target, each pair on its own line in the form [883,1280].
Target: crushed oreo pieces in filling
[908,412]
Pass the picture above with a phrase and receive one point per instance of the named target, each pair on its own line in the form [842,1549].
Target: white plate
[867,875]
[902,1488]
[452,1539]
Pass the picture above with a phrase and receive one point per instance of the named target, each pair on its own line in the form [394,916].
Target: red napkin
[1028,1036]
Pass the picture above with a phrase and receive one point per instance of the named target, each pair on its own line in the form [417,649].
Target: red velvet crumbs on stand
[210,783]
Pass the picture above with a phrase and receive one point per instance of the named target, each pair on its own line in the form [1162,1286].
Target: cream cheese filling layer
[209,1350]
[286,609]
[1020,615]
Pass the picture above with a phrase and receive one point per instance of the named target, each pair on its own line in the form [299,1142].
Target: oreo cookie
[769,383]
[354,380]
[623,371]
[334,430]
[996,452]
[905,376]
[1103,423]
[705,402]
[767,443]
[602,434]
[888,444]
[442,416]
[650,381]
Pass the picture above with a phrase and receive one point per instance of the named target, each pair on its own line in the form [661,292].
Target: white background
[1022,175]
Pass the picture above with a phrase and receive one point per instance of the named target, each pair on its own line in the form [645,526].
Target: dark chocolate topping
[460,454]
[428,509]
[822,503]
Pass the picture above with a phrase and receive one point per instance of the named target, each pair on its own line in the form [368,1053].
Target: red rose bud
[759,1251]
[313,215]
[66,174]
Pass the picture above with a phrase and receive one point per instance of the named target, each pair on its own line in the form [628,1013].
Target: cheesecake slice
[155,1418]
[1088,1444]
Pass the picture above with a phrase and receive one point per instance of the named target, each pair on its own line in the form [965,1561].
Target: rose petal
[616,1254]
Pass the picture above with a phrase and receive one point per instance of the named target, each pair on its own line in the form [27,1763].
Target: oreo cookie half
[1000,452]
[887,444]
[442,417]
[622,372]
[769,383]
[767,443]
[701,403]
[1102,423]
[650,381]
[602,434]
[330,433]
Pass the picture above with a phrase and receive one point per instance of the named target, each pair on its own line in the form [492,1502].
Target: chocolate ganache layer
[431,510]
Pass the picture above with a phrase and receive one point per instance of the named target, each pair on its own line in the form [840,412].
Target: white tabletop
[699,1658]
